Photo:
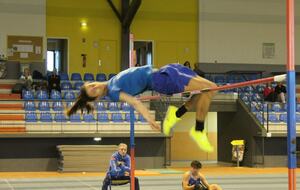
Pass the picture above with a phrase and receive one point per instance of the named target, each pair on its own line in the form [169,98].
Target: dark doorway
[144,52]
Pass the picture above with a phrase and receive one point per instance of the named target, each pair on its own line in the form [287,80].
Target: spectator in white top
[26,79]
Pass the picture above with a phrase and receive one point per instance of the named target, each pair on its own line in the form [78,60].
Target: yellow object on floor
[201,139]
[170,120]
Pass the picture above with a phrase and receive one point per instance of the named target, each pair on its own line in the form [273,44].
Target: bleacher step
[6,86]
[12,129]
[10,96]
[11,117]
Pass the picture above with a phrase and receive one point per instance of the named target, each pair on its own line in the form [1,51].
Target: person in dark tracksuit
[119,168]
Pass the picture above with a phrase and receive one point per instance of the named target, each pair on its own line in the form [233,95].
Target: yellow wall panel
[171,24]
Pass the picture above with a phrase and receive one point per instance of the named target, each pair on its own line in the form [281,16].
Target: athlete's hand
[126,174]
[154,125]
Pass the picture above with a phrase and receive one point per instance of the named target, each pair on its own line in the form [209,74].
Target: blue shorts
[171,79]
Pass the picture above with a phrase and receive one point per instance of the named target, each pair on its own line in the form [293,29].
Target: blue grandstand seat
[113,106]
[127,117]
[100,106]
[259,117]
[247,89]
[283,117]
[103,117]
[260,88]
[220,79]
[69,95]
[58,106]
[298,107]
[29,106]
[55,95]
[240,79]
[298,118]
[111,75]
[254,107]
[60,117]
[89,118]
[245,98]
[27,95]
[256,97]
[277,107]
[247,103]
[43,106]
[75,118]
[46,117]
[30,117]
[88,77]
[231,79]
[78,85]
[117,117]
[66,86]
[64,76]
[101,77]
[125,106]
[264,107]
[141,118]
[42,95]
[69,104]
[273,118]
[76,76]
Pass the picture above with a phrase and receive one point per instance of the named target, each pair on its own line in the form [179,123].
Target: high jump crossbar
[277,78]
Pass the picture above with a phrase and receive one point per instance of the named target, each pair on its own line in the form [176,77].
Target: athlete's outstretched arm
[139,106]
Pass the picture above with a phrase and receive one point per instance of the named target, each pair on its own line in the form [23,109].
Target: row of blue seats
[276,107]
[274,118]
[250,97]
[43,95]
[67,85]
[86,77]
[59,106]
[60,117]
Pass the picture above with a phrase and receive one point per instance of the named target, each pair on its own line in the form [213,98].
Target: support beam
[115,10]
[134,7]
[128,11]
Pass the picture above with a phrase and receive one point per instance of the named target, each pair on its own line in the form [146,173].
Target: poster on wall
[25,48]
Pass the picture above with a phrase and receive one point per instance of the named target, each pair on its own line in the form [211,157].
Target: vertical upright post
[132,150]
[132,120]
[291,135]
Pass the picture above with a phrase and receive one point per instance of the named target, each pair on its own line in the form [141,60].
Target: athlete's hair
[196,164]
[82,103]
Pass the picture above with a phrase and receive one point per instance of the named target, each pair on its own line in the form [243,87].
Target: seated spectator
[195,180]
[54,82]
[187,64]
[198,71]
[269,93]
[119,168]
[280,91]
[26,79]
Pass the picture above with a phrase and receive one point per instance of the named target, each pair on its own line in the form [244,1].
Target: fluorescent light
[97,139]
[83,24]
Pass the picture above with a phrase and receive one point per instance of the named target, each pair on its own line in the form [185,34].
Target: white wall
[22,17]
[233,31]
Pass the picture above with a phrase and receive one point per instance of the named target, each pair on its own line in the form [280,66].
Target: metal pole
[132,150]
[132,120]
[291,87]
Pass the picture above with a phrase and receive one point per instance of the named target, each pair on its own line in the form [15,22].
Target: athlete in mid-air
[168,80]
